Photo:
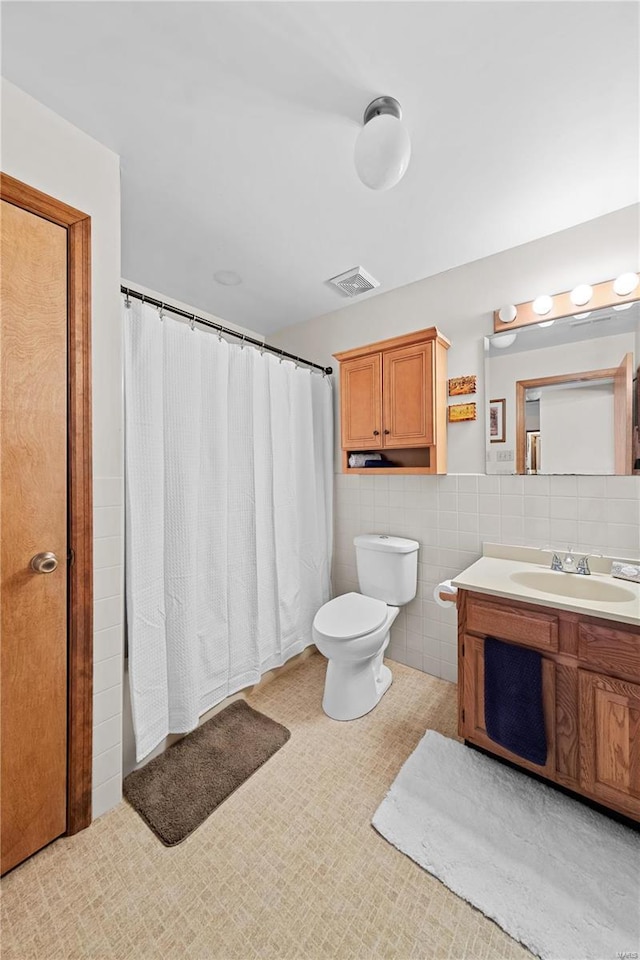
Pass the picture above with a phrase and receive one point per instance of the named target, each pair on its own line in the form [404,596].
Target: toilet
[352,631]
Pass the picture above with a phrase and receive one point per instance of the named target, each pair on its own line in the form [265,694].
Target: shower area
[229,478]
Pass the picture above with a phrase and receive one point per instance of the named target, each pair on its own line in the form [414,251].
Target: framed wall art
[497,420]
[458,412]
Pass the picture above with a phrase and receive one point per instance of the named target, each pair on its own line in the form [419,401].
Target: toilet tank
[387,567]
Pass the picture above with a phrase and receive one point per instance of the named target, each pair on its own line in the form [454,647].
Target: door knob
[44,562]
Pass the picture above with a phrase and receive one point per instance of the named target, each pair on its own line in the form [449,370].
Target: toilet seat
[349,616]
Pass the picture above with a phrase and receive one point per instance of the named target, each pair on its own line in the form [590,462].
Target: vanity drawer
[526,627]
[609,649]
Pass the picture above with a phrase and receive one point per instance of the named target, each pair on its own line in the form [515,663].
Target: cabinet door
[408,396]
[361,402]
[472,714]
[610,740]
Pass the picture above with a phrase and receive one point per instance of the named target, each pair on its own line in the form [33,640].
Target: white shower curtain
[229,517]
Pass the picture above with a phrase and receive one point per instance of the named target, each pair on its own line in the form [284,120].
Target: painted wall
[46,152]
[451,516]
[576,430]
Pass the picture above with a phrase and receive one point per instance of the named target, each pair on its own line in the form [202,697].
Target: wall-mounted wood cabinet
[590,694]
[393,400]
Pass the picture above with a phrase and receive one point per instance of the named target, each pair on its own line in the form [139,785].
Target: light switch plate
[626,571]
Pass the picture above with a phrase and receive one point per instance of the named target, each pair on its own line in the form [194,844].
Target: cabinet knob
[376,433]
[387,431]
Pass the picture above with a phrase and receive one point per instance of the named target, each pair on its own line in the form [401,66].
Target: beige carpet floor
[287,868]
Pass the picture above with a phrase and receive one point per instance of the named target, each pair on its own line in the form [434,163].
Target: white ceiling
[236,124]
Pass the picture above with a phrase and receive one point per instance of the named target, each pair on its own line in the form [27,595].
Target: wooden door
[623,415]
[407,376]
[610,740]
[361,402]
[472,707]
[34,521]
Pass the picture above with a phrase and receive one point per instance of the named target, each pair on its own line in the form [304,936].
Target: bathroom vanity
[587,630]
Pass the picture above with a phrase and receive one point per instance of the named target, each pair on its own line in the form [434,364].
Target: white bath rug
[557,876]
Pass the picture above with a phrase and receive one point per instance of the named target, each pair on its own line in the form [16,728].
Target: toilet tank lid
[376,541]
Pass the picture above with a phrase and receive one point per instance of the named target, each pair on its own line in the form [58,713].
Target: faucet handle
[582,565]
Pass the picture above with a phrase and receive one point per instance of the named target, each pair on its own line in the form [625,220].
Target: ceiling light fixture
[625,284]
[504,340]
[542,305]
[581,316]
[547,323]
[383,147]
[581,294]
[508,313]
[623,306]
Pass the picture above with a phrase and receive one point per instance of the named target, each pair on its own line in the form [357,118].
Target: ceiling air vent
[354,282]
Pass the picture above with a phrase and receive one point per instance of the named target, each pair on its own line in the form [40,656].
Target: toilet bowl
[353,631]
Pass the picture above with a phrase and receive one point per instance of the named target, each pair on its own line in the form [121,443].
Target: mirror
[561,395]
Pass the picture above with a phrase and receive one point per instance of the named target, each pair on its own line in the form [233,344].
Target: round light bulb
[507,313]
[580,316]
[547,323]
[623,306]
[581,294]
[625,284]
[542,305]
[382,153]
[504,340]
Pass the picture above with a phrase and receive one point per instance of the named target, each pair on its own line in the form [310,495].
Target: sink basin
[573,585]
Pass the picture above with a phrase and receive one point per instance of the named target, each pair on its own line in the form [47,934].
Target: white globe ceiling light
[542,305]
[547,323]
[581,294]
[507,313]
[504,340]
[625,284]
[623,306]
[383,147]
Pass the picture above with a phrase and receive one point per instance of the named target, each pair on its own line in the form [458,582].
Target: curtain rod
[194,318]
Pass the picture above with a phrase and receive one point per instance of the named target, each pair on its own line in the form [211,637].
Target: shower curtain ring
[192,322]
[127,301]
[219,334]
[161,312]
[242,344]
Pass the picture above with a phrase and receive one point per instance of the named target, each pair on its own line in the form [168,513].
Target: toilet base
[353,689]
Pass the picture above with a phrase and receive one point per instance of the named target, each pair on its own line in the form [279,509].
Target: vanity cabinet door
[610,740]
[361,402]
[472,707]
[408,396]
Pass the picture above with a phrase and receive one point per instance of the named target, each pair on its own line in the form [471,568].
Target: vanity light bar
[624,290]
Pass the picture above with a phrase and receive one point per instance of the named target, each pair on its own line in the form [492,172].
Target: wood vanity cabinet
[393,399]
[590,693]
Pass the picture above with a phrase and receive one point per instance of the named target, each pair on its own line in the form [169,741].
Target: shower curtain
[229,517]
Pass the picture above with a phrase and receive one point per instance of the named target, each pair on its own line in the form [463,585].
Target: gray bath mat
[178,790]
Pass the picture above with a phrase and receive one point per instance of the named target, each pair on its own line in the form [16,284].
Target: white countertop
[492,574]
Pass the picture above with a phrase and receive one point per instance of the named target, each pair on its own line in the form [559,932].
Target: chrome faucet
[571,564]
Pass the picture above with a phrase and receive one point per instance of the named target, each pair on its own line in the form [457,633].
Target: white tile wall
[108,613]
[451,516]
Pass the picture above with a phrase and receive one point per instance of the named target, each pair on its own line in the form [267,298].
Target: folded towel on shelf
[360,459]
[513,714]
